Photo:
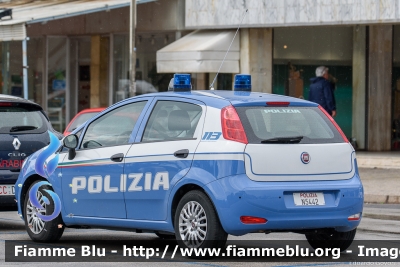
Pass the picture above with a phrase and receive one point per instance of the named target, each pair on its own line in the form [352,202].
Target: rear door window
[309,123]
[172,120]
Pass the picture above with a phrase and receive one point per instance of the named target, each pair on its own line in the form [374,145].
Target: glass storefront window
[224,81]
[11,68]
[4,59]
[120,67]
[148,80]
[297,54]
[57,83]
[35,71]
[11,76]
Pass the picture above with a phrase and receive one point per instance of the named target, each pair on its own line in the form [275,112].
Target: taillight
[334,123]
[354,217]
[278,104]
[5,104]
[252,220]
[232,128]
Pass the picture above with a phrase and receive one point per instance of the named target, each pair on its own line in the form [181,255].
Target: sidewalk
[386,160]
[380,175]
[381,185]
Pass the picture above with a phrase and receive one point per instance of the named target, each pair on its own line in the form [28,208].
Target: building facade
[283,41]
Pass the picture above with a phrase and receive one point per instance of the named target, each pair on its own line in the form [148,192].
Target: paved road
[12,228]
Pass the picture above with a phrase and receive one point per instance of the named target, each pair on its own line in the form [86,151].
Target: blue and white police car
[199,165]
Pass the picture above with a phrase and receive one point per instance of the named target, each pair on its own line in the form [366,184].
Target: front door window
[91,182]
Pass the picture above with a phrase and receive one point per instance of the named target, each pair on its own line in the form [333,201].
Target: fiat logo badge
[305,158]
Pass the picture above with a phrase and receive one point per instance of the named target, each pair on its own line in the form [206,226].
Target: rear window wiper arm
[22,128]
[283,140]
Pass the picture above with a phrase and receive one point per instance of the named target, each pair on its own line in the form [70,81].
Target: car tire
[196,217]
[37,229]
[165,236]
[331,239]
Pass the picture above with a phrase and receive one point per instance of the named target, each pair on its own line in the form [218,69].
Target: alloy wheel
[193,224]
[35,224]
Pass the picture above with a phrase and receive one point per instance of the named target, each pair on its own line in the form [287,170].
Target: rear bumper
[239,196]
[8,178]
[7,203]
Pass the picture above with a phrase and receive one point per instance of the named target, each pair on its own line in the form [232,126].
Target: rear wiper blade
[283,140]
[22,128]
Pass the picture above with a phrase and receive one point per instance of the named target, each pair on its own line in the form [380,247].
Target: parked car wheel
[39,230]
[331,239]
[197,224]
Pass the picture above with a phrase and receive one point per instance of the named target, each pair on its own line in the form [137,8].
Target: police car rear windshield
[277,125]
[20,119]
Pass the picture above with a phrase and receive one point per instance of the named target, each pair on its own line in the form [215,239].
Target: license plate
[7,190]
[309,199]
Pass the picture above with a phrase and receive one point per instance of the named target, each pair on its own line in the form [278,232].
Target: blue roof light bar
[242,82]
[182,83]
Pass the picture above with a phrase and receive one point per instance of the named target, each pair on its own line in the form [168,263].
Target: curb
[376,231]
[385,226]
[378,162]
[381,199]
[382,216]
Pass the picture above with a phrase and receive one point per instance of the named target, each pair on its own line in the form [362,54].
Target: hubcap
[35,224]
[193,224]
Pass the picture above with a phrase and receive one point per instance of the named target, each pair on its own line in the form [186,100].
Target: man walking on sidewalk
[321,90]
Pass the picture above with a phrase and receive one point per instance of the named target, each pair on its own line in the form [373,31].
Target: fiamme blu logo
[45,165]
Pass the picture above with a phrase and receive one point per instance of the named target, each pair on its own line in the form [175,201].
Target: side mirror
[71,142]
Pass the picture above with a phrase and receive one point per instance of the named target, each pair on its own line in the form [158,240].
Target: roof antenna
[215,78]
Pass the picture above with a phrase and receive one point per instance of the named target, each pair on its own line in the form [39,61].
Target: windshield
[304,125]
[20,119]
[81,119]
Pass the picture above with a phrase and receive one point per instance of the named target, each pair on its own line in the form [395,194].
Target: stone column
[211,77]
[104,70]
[359,85]
[99,69]
[244,51]
[201,81]
[379,87]
[256,57]
[95,71]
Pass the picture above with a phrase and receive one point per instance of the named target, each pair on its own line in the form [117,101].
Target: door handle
[183,153]
[117,157]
